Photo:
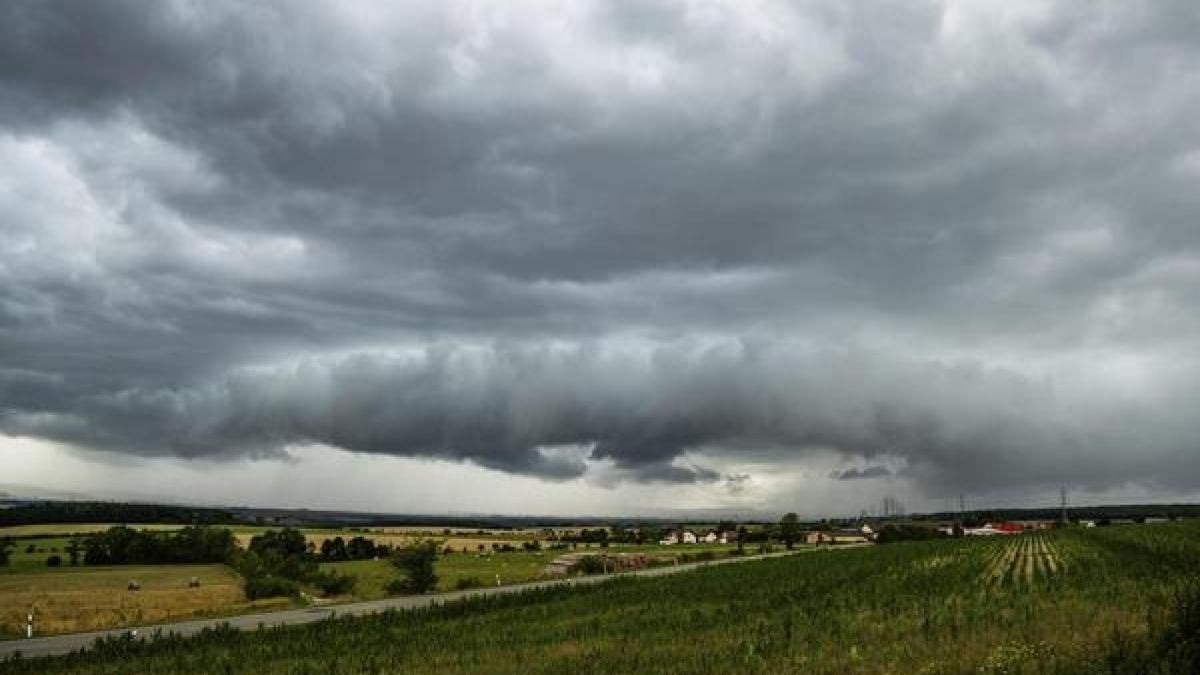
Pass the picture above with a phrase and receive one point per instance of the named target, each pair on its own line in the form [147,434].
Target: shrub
[270,586]
[591,564]
[333,583]
[415,563]
[893,533]
[54,561]
[468,582]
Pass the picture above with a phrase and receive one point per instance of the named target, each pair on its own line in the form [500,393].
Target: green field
[1078,601]
[495,569]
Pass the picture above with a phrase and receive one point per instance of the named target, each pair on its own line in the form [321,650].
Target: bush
[415,563]
[270,586]
[468,582]
[54,561]
[591,564]
[333,583]
[893,533]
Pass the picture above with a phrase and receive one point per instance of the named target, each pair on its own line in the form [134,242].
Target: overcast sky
[601,257]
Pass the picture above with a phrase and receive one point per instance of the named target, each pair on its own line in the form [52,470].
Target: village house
[678,537]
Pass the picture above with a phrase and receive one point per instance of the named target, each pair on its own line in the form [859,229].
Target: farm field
[68,593]
[67,529]
[70,599]
[29,555]
[459,540]
[507,568]
[1094,598]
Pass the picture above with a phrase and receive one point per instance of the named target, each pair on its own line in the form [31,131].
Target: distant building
[851,536]
[678,537]
[991,529]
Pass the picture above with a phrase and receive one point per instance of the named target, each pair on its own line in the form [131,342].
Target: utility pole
[1062,491]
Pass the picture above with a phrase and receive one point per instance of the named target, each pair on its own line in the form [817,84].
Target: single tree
[415,564]
[789,530]
[73,550]
[5,544]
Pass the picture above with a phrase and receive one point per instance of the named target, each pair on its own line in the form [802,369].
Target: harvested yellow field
[80,599]
[458,543]
[66,529]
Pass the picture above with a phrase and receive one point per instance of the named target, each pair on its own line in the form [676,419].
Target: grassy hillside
[1058,603]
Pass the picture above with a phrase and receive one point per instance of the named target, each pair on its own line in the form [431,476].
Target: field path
[61,644]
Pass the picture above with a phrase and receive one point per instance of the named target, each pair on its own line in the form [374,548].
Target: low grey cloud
[608,240]
[856,473]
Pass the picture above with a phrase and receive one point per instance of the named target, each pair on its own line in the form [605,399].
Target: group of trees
[597,535]
[358,548]
[126,546]
[278,562]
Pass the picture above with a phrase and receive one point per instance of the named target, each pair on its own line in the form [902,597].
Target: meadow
[496,569]
[1070,602]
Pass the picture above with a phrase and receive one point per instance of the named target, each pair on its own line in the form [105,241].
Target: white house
[710,538]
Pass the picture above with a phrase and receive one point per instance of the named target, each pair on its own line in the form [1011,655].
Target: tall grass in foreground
[1080,601]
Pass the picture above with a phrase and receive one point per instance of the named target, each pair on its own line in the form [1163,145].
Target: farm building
[850,536]
[991,529]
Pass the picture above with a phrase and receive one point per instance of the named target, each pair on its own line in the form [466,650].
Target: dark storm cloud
[224,224]
[643,408]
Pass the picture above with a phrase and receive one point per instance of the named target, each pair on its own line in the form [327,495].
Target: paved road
[61,644]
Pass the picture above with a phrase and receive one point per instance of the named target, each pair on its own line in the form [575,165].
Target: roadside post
[29,624]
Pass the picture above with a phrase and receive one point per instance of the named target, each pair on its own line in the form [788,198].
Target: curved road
[61,644]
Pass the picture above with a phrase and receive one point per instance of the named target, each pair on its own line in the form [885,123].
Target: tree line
[109,512]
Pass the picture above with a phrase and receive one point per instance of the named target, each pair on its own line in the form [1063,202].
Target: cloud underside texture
[958,240]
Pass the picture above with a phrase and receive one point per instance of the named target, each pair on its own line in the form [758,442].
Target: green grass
[21,560]
[921,607]
[506,568]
